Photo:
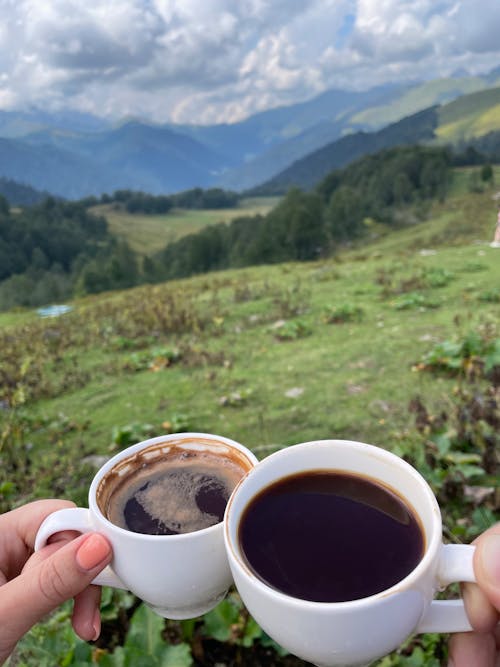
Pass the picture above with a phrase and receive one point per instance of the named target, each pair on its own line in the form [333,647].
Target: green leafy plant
[474,267]
[123,343]
[490,296]
[53,643]
[437,277]
[176,423]
[291,330]
[145,645]
[342,314]
[473,356]
[155,359]
[123,436]
[415,300]
[291,301]
[459,456]
[230,622]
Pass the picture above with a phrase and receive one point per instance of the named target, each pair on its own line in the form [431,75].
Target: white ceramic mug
[178,576]
[360,631]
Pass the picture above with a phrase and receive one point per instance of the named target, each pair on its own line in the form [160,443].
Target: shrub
[342,314]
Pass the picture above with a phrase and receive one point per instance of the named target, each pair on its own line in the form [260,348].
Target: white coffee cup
[178,576]
[354,632]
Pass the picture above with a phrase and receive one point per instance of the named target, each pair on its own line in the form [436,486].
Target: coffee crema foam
[180,492]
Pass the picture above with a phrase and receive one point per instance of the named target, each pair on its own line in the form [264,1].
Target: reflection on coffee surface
[329,536]
[179,492]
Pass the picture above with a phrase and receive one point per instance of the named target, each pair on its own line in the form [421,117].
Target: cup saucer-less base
[183,613]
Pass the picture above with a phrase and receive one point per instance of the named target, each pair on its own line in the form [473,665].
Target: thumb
[487,566]
[42,587]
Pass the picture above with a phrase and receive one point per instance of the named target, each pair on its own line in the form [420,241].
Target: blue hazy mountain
[135,155]
[74,154]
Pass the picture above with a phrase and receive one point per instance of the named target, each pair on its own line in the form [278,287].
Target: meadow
[147,234]
[388,342]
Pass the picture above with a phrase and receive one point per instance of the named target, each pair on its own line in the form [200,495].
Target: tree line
[307,225]
[56,250]
[51,252]
[141,202]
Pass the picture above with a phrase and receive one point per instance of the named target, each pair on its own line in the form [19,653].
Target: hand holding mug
[32,585]
[334,602]
[160,504]
[482,601]
[362,580]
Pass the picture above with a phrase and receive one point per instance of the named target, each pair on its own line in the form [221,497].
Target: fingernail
[92,552]
[490,558]
[96,625]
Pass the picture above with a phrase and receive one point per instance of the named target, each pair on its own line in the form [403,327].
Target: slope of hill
[147,234]
[53,169]
[16,124]
[470,116]
[206,355]
[139,156]
[473,118]
[307,173]
[18,194]
[416,98]
[262,131]
[386,105]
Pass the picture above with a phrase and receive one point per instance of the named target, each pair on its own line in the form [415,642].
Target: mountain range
[74,155]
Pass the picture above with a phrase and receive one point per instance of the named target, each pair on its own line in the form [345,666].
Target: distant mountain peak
[75,154]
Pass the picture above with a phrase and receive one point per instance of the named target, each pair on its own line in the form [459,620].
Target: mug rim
[433,542]
[145,444]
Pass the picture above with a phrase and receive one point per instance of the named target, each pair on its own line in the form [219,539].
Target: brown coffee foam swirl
[167,487]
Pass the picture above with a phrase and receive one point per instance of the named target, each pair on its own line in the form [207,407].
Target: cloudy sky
[207,61]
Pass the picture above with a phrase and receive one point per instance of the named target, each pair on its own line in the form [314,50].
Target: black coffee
[180,492]
[328,536]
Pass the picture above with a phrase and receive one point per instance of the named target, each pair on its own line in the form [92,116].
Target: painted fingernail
[490,557]
[92,552]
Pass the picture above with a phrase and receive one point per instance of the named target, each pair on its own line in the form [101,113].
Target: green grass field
[269,356]
[414,100]
[344,371]
[147,234]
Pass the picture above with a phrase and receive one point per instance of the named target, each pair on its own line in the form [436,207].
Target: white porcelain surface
[357,632]
[179,576]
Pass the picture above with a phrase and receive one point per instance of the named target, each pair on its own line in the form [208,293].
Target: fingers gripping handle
[78,519]
[449,615]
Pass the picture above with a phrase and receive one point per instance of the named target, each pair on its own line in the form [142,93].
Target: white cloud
[218,60]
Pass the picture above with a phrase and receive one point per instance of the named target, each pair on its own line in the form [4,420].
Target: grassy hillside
[310,170]
[419,97]
[469,116]
[147,234]
[239,307]
[270,356]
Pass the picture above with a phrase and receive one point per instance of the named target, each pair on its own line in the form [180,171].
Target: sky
[213,61]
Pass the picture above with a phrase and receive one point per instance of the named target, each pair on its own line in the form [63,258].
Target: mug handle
[74,518]
[444,616]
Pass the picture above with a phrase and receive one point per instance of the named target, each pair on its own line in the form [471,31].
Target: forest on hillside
[142,202]
[307,225]
[46,249]
[19,194]
[56,250]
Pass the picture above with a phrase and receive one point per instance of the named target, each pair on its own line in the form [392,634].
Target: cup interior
[343,456]
[134,459]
